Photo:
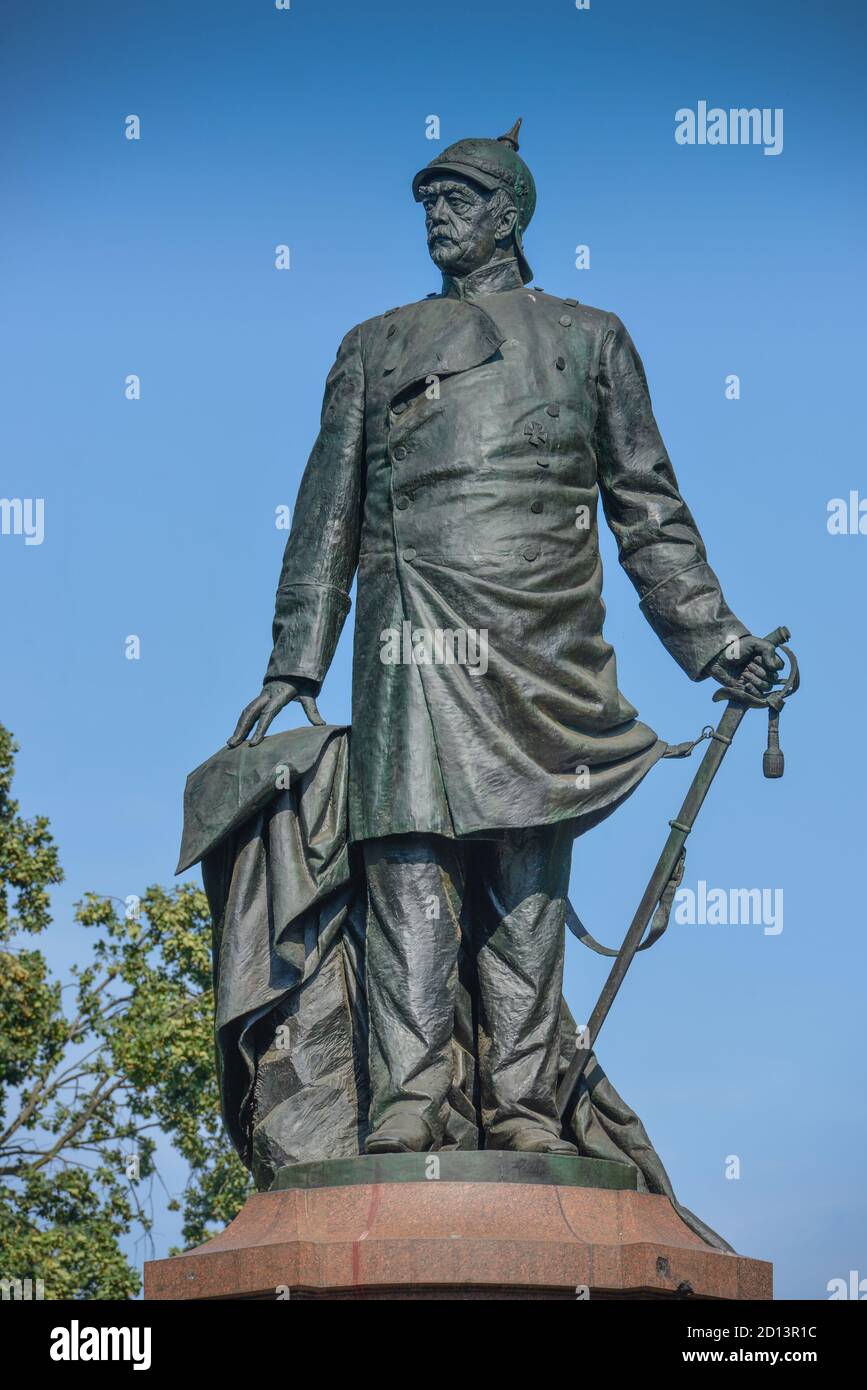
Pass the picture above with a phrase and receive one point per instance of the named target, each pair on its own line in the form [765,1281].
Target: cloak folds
[286,890]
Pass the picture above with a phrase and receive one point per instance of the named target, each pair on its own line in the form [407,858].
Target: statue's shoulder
[381,323]
[396,328]
[374,333]
[585,316]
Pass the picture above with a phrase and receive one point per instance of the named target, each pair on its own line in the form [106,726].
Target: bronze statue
[466,442]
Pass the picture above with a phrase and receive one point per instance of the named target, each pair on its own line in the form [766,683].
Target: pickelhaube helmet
[491,164]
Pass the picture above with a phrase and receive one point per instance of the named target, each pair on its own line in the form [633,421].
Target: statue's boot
[536,1140]
[402,1134]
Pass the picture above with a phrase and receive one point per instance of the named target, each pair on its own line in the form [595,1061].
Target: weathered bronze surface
[409,894]
[553,1170]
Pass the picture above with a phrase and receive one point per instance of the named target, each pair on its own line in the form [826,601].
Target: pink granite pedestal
[441,1236]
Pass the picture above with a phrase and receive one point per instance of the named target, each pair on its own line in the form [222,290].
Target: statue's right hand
[274,697]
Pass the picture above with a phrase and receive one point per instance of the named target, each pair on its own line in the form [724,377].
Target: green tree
[91,1071]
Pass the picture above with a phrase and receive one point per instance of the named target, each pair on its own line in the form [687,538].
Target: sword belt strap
[658,926]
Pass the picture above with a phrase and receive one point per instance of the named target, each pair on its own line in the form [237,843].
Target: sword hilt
[773,760]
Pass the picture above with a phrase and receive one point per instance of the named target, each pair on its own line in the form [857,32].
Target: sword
[720,740]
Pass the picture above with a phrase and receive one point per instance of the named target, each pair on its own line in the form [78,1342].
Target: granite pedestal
[488,1225]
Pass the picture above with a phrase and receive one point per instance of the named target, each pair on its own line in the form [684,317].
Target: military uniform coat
[466,443]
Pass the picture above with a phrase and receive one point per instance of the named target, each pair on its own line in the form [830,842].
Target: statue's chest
[460,385]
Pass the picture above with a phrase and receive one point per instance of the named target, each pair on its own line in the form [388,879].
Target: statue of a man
[466,442]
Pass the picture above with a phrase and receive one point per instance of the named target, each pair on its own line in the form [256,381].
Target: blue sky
[156,257]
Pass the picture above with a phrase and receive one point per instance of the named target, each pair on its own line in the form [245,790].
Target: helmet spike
[511,137]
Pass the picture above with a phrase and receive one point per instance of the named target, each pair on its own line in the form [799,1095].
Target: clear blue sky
[156,258]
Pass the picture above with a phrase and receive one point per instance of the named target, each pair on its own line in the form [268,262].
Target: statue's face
[465,224]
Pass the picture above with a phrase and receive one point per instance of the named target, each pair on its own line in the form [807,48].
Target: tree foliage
[92,1072]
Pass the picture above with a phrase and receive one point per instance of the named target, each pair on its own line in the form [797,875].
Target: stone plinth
[457,1225]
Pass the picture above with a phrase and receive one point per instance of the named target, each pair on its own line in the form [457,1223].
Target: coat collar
[490,279]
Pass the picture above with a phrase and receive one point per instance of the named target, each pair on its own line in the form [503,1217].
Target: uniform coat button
[409,553]
[400,453]
[530,552]
[399,407]
[553,409]
[565,320]
[402,502]
[560,364]
[537,506]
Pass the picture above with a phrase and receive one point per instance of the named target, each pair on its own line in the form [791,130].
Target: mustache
[443,232]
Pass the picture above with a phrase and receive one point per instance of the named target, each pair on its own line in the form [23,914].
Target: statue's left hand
[754,666]
[275,696]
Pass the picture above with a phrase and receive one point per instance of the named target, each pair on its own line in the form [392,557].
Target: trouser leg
[415,887]
[518,928]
